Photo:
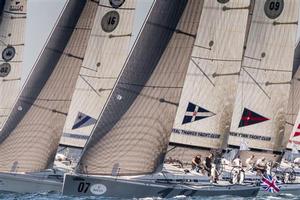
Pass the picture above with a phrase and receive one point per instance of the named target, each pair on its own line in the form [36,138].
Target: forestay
[105,56]
[30,137]
[133,130]
[12,40]
[263,90]
[205,109]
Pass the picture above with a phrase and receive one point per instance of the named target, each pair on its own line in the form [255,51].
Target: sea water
[52,196]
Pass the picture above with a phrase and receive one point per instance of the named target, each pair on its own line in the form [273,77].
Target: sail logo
[297,132]
[249,118]
[195,113]
[83,120]
[98,189]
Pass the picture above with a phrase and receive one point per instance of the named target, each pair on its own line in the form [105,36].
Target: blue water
[47,196]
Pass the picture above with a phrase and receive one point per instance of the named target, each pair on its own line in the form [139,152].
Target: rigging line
[120,8]
[265,69]
[252,58]
[203,47]
[151,86]
[99,77]
[161,100]
[89,85]
[257,83]
[64,53]
[44,108]
[49,100]
[94,70]
[192,59]
[172,29]
[217,59]
[289,123]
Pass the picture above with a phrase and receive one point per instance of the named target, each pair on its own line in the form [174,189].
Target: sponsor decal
[98,189]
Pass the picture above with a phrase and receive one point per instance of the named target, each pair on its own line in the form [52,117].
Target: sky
[41,17]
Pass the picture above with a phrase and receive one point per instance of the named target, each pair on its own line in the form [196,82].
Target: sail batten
[132,133]
[30,137]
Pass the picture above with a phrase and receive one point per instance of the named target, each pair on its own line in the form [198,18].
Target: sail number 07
[83,187]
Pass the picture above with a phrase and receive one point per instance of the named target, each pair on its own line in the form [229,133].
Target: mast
[262,96]
[30,137]
[105,56]
[12,41]
[132,132]
[204,114]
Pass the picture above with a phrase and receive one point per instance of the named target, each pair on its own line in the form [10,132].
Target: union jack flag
[269,184]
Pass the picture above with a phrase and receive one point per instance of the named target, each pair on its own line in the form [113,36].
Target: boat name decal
[194,133]
[249,136]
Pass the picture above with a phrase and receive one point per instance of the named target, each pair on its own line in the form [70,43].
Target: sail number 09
[273,8]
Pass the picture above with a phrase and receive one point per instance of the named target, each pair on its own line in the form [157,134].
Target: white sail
[291,138]
[133,130]
[12,40]
[264,83]
[205,109]
[30,137]
[104,59]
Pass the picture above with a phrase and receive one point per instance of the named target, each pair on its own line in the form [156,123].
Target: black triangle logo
[195,113]
[250,117]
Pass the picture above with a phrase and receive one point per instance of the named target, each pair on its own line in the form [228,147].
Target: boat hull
[107,186]
[28,183]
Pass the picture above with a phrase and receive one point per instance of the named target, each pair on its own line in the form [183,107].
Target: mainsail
[12,39]
[262,97]
[292,126]
[133,130]
[205,109]
[30,137]
[105,56]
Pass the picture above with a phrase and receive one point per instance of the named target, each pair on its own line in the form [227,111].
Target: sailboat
[263,89]
[262,97]
[30,137]
[12,40]
[125,153]
[105,56]
[205,109]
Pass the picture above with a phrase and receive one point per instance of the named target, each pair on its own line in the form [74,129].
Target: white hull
[29,183]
